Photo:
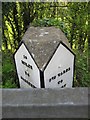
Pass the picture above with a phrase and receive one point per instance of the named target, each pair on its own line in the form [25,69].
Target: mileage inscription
[59,74]
[26,72]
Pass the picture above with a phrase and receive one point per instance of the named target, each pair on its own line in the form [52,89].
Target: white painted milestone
[59,71]
[28,72]
[44,59]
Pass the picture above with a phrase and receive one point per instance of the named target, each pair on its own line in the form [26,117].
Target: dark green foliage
[71,17]
[47,22]
[82,74]
[8,70]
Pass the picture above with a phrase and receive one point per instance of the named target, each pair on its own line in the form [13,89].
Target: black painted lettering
[54,77]
[69,68]
[59,74]
[50,80]
[63,86]
[24,56]
[61,81]
[64,71]
[26,64]
[29,66]
[26,73]
[27,82]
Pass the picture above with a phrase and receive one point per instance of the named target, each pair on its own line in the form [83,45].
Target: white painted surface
[61,60]
[34,74]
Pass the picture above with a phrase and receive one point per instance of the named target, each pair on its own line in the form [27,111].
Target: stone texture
[45,103]
[42,42]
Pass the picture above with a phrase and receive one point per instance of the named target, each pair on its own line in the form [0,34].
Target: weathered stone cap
[42,42]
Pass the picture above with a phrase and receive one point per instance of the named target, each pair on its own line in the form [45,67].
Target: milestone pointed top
[42,42]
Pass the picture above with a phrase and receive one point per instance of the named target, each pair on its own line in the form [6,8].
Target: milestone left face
[27,70]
